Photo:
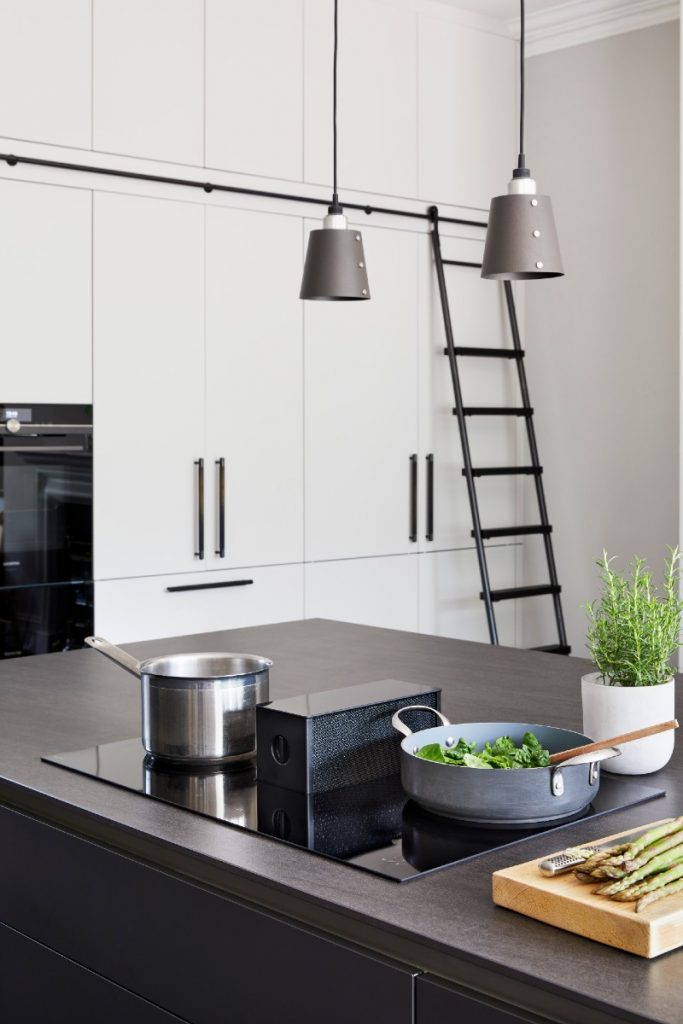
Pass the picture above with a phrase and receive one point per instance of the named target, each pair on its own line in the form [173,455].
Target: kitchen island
[115,907]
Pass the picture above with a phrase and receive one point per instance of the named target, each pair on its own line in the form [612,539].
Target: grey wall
[602,342]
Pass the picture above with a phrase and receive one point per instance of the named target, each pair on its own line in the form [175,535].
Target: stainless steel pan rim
[205,667]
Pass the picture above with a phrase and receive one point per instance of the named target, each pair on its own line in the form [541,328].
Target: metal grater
[565,861]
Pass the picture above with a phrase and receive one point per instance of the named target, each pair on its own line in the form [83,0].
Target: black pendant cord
[12,160]
[521,159]
[335,198]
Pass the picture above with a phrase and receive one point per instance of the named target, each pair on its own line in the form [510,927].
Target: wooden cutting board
[566,903]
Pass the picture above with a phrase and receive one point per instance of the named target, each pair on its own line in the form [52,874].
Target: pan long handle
[403,728]
[121,657]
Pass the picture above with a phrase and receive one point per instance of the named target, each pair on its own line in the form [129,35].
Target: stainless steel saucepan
[197,708]
[499,798]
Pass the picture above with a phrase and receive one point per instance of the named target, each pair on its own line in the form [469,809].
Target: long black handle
[413,499]
[209,586]
[221,508]
[429,533]
[199,553]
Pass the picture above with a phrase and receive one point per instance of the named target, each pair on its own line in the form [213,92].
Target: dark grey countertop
[445,923]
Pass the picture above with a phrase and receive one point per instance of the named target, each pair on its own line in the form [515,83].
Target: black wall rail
[208,186]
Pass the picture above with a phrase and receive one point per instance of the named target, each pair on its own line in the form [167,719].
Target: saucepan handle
[403,728]
[121,658]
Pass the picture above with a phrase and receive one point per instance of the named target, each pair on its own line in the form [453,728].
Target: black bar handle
[208,586]
[199,553]
[429,533]
[413,499]
[220,463]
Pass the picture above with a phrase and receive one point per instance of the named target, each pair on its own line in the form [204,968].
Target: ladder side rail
[538,479]
[462,427]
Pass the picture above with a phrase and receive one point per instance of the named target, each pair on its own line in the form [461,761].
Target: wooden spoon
[613,741]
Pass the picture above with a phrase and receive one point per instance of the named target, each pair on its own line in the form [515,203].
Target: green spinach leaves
[502,753]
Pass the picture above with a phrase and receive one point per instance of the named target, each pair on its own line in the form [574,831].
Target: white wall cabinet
[148,383]
[449,590]
[377,110]
[45,71]
[479,319]
[372,591]
[45,293]
[254,87]
[254,384]
[466,116]
[141,609]
[148,81]
[361,408]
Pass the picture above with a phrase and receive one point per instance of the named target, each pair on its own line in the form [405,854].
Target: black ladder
[470,472]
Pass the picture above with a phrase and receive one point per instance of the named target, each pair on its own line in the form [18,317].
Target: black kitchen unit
[46,488]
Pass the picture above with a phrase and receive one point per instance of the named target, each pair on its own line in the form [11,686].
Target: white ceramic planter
[611,710]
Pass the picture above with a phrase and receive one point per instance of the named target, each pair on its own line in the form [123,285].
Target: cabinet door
[148,80]
[45,71]
[372,591]
[479,319]
[465,157]
[158,606]
[45,293]
[361,408]
[254,386]
[254,101]
[377,110]
[437,1000]
[450,584]
[148,383]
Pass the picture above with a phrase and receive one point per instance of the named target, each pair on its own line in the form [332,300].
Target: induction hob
[370,826]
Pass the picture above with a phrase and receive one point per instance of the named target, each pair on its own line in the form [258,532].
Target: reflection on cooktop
[370,826]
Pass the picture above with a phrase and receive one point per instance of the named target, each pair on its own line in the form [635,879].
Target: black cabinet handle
[208,586]
[413,499]
[429,534]
[220,463]
[199,553]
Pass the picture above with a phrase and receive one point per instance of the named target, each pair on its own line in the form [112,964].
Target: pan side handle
[401,726]
[121,657]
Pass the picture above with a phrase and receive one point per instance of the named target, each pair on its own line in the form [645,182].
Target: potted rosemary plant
[633,633]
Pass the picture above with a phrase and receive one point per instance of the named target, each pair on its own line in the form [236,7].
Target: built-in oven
[46,488]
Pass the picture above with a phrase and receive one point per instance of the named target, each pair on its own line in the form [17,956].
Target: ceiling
[506,9]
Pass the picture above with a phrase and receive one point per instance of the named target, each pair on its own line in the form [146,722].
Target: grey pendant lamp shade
[521,239]
[334,269]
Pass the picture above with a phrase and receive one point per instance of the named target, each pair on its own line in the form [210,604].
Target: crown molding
[583,21]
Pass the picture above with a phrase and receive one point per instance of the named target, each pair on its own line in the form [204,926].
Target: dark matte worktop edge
[469,971]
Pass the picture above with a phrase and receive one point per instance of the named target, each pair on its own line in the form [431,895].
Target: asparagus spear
[661,863]
[650,852]
[658,894]
[659,880]
[652,836]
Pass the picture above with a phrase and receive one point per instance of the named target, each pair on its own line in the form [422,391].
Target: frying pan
[497,798]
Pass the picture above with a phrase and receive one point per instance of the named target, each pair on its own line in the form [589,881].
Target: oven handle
[42,448]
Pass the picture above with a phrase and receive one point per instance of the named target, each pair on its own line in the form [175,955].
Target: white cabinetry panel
[479,319]
[450,585]
[361,408]
[377,110]
[142,609]
[45,293]
[148,383]
[255,383]
[466,117]
[148,78]
[45,71]
[254,100]
[372,591]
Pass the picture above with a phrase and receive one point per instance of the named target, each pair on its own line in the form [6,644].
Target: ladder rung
[512,531]
[553,649]
[513,592]
[506,471]
[493,353]
[460,263]
[495,410]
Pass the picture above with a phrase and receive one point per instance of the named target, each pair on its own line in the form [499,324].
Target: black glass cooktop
[370,826]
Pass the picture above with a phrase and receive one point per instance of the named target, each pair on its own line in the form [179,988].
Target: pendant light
[521,240]
[335,262]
